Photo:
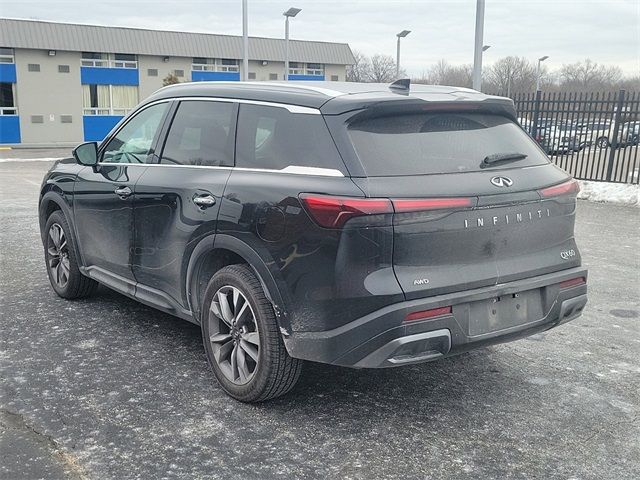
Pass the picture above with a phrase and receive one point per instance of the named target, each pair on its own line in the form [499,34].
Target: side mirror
[86,154]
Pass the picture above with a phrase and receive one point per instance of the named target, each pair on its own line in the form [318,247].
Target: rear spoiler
[410,104]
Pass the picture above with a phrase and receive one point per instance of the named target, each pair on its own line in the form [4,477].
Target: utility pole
[245,42]
[477,52]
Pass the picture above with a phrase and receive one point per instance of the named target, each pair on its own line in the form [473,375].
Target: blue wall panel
[96,127]
[306,77]
[9,129]
[108,76]
[8,72]
[199,76]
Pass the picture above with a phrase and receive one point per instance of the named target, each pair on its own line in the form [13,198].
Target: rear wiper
[501,157]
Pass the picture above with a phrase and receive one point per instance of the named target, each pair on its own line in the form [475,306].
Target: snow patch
[606,192]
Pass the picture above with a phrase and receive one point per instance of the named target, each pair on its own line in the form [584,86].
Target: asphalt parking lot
[106,388]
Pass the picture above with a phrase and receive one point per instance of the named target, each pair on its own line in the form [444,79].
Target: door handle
[204,201]
[123,192]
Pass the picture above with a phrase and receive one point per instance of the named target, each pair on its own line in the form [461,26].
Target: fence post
[613,143]
[536,116]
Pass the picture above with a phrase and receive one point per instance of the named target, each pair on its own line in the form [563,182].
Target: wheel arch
[51,201]
[219,250]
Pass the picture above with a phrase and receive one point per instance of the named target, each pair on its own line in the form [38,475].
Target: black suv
[361,225]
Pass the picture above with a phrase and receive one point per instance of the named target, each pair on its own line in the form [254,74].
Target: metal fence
[593,136]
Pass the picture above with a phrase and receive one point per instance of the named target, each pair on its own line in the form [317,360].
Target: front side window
[132,144]
[443,142]
[274,138]
[202,133]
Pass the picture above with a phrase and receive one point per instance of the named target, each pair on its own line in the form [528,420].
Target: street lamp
[486,47]
[478,46]
[540,60]
[245,41]
[400,35]
[292,12]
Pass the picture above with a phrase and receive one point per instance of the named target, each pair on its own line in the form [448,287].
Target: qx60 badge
[500,181]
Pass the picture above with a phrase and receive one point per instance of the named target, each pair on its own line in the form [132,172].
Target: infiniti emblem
[502,181]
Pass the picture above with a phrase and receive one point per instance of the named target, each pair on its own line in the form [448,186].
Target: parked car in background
[290,222]
[627,134]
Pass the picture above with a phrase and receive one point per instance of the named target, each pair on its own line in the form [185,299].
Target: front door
[178,199]
[103,196]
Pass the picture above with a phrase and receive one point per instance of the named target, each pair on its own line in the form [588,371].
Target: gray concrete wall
[50,94]
[148,84]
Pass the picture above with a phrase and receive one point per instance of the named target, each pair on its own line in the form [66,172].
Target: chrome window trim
[290,108]
[289,170]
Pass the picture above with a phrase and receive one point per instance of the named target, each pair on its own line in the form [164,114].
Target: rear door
[459,222]
[178,197]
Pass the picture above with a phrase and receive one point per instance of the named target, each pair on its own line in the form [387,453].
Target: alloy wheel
[234,337]
[58,255]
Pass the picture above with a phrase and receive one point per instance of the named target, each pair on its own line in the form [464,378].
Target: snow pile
[620,193]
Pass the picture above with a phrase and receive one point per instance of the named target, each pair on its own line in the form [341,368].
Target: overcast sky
[567,30]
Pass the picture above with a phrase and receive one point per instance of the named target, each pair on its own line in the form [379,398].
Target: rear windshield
[425,143]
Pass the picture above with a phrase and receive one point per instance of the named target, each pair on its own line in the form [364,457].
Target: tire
[61,260]
[242,339]
[602,142]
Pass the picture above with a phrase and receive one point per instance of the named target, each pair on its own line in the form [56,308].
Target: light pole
[292,12]
[478,47]
[400,35]
[540,60]
[245,42]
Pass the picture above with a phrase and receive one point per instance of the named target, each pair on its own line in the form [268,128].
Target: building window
[273,76]
[124,60]
[315,69]
[33,67]
[297,68]
[63,69]
[115,60]
[7,102]
[334,78]
[178,73]
[201,64]
[109,99]
[95,59]
[152,72]
[37,118]
[252,75]
[66,119]
[6,55]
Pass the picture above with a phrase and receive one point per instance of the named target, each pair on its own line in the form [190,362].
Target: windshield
[427,143]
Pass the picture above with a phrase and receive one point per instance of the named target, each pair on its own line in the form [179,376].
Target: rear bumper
[382,338]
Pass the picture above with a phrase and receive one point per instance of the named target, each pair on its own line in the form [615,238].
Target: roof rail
[402,85]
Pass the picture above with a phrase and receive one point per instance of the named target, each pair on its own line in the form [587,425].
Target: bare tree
[589,75]
[360,71]
[512,75]
[383,69]
[443,73]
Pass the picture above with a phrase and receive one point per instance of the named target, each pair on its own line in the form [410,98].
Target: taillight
[402,205]
[424,314]
[574,282]
[333,212]
[566,188]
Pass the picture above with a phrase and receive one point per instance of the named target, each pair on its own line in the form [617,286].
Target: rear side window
[275,138]
[425,143]
[202,133]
